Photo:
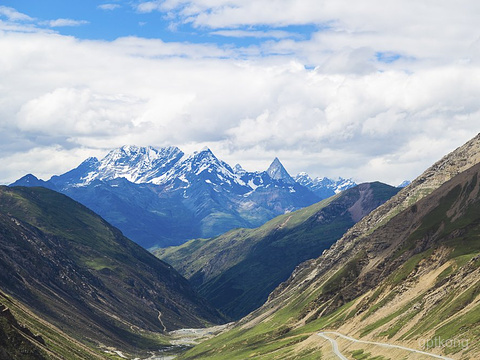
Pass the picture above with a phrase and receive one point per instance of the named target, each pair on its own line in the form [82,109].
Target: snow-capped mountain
[136,164]
[276,171]
[161,197]
[404,183]
[172,169]
[324,187]
[201,166]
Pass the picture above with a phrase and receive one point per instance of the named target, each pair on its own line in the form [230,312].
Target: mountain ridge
[219,267]
[407,273]
[459,160]
[151,194]
[82,275]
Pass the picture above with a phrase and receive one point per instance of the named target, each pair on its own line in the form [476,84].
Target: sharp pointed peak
[275,164]
[205,149]
[277,171]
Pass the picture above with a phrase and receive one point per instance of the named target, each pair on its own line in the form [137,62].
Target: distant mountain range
[161,197]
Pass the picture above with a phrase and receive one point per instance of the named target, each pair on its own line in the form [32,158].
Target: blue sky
[100,23]
[371,90]
[111,20]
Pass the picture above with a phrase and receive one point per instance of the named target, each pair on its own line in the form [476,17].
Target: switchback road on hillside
[334,345]
[342,357]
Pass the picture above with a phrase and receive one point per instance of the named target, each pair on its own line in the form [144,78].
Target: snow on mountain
[200,166]
[135,164]
[138,164]
[277,172]
[324,187]
[164,197]
[404,184]
[239,170]
[343,184]
[304,179]
[172,169]
[82,174]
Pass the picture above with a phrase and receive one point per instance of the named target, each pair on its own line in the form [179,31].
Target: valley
[373,272]
[239,180]
[67,274]
[406,275]
[238,270]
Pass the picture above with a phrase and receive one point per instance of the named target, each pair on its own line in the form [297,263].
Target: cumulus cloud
[77,112]
[381,98]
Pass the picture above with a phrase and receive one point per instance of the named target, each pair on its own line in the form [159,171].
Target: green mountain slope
[17,341]
[81,275]
[236,271]
[405,275]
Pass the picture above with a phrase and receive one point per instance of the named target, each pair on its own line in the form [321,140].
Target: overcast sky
[372,89]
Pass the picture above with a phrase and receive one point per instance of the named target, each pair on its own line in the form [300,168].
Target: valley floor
[184,339]
[190,337]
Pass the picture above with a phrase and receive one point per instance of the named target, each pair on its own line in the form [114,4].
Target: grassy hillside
[413,281]
[82,276]
[237,271]
[24,335]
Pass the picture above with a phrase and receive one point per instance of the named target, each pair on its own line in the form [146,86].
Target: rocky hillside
[81,275]
[407,274]
[17,341]
[236,271]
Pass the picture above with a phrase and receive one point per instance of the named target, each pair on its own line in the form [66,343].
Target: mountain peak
[277,172]
[303,179]
[205,154]
[29,177]
[32,180]
[238,169]
[90,161]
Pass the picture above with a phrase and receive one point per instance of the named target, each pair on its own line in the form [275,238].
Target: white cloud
[65,22]
[13,15]
[277,34]
[74,112]
[108,6]
[430,30]
[148,6]
[352,115]
[44,161]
